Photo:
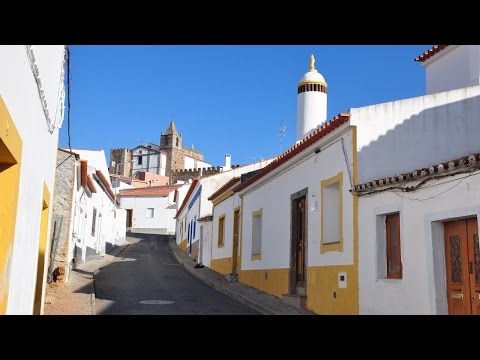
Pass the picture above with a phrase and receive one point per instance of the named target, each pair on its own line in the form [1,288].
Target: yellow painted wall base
[323,281]
[183,245]
[272,281]
[222,266]
[10,160]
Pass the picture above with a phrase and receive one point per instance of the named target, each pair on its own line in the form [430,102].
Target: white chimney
[228,162]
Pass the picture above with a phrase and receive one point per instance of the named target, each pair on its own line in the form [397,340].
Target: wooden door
[462,257]
[236,218]
[299,239]
[474,264]
[129,218]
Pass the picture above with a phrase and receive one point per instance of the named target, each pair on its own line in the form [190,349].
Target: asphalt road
[145,279]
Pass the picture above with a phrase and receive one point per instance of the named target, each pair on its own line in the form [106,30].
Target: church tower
[311,101]
[171,149]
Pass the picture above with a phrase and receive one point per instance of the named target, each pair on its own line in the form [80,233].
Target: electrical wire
[68,97]
[441,193]
[420,184]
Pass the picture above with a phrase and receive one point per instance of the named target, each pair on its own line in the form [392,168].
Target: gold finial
[312,63]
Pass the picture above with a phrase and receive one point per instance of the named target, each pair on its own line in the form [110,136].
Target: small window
[94,220]
[150,212]
[177,142]
[257,234]
[332,215]
[194,226]
[140,160]
[394,258]
[221,231]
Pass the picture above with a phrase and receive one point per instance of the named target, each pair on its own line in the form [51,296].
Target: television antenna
[282,133]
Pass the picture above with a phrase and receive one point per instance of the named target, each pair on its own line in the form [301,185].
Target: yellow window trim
[336,246]
[10,160]
[221,245]
[223,197]
[257,213]
[42,251]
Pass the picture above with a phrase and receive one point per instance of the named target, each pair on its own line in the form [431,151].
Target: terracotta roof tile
[150,191]
[431,52]
[318,134]
[187,196]
[90,184]
[444,167]
[224,188]
[105,182]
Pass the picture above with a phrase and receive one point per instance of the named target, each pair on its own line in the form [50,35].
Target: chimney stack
[228,162]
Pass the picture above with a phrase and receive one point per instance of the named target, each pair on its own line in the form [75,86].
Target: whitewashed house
[98,225]
[32,97]
[150,209]
[419,193]
[295,217]
[146,158]
[195,211]
[225,229]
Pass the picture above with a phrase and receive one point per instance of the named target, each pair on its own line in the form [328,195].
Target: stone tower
[311,101]
[121,161]
[171,146]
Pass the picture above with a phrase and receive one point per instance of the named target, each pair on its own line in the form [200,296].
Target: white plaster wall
[192,215]
[178,233]
[104,223]
[422,289]
[189,163]
[226,208]
[96,159]
[273,197]
[163,164]
[453,68]
[147,165]
[206,254]
[202,164]
[181,192]
[162,217]
[111,226]
[427,130]
[204,207]
[119,228]
[19,92]
[311,112]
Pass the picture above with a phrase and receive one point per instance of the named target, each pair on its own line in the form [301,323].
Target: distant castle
[170,159]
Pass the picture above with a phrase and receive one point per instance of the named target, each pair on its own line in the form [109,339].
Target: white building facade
[98,225]
[31,111]
[147,158]
[150,210]
[297,234]
[196,206]
[419,197]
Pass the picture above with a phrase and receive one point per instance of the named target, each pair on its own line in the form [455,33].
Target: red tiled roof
[187,196]
[319,133]
[90,184]
[150,191]
[105,182]
[83,172]
[445,167]
[429,53]
[224,188]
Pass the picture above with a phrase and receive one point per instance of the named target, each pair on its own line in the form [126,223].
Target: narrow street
[145,279]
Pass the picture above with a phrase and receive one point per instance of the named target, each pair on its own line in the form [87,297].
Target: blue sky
[223,99]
